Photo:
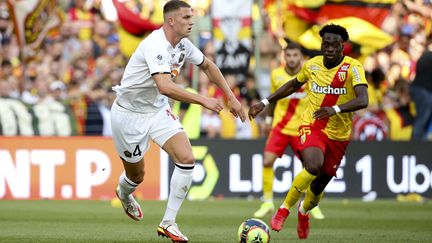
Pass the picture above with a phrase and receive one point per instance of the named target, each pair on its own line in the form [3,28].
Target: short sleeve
[358,75]
[303,75]
[193,54]
[157,59]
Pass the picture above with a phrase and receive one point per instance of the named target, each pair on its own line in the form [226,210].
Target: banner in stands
[67,168]
[232,30]
[88,168]
[369,170]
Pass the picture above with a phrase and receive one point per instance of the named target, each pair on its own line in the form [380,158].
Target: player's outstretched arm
[288,88]
[359,102]
[167,87]
[215,75]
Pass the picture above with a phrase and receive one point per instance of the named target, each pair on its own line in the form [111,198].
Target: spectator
[249,91]
[401,115]
[421,93]
[53,115]
[83,18]
[269,49]
[6,28]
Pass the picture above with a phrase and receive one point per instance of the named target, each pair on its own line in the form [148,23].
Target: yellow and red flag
[373,11]
[136,20]
[33,20]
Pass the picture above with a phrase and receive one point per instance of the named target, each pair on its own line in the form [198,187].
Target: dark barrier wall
[232,168]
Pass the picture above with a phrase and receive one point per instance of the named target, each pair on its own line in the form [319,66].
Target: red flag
[131,21]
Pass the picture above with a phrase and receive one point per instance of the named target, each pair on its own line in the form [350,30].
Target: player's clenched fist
[324,112]
[255,110]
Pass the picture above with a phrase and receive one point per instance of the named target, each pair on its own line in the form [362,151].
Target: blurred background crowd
[62,84]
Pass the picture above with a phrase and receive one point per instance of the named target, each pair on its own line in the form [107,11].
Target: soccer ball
[253,231]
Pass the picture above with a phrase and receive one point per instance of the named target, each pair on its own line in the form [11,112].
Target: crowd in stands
[395,71]
[65,87]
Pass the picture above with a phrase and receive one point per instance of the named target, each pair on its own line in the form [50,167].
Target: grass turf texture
[210,221]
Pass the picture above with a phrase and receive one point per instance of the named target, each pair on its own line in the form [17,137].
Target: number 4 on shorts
[137,151]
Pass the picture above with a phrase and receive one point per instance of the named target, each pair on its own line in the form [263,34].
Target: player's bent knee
[186,159]
[313,169]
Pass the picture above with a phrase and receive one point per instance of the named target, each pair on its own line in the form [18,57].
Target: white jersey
[138,91]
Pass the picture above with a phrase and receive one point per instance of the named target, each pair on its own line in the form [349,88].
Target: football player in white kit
[141,111]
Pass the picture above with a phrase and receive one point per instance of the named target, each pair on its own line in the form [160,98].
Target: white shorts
[132,130]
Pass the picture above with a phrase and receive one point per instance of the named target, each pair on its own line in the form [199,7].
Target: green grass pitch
[210,221]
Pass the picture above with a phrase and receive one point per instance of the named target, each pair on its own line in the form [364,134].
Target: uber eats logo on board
[206,174]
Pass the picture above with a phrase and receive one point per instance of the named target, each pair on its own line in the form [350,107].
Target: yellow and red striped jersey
[329,87]
[287,113]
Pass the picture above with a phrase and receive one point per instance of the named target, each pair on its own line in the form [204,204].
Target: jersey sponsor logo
[344,67]
[356,75]
[314,68]
[181,58]
[160,60]
[327,89]
[127,154]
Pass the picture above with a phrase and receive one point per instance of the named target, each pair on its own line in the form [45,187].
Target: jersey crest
[342,72]
[342,76]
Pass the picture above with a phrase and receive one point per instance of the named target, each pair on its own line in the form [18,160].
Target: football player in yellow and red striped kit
[335,87]
[283,118]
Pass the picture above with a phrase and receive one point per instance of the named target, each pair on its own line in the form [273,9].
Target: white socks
[181,181]
[126,186]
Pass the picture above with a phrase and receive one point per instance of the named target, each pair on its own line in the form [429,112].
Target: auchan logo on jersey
[327,89]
